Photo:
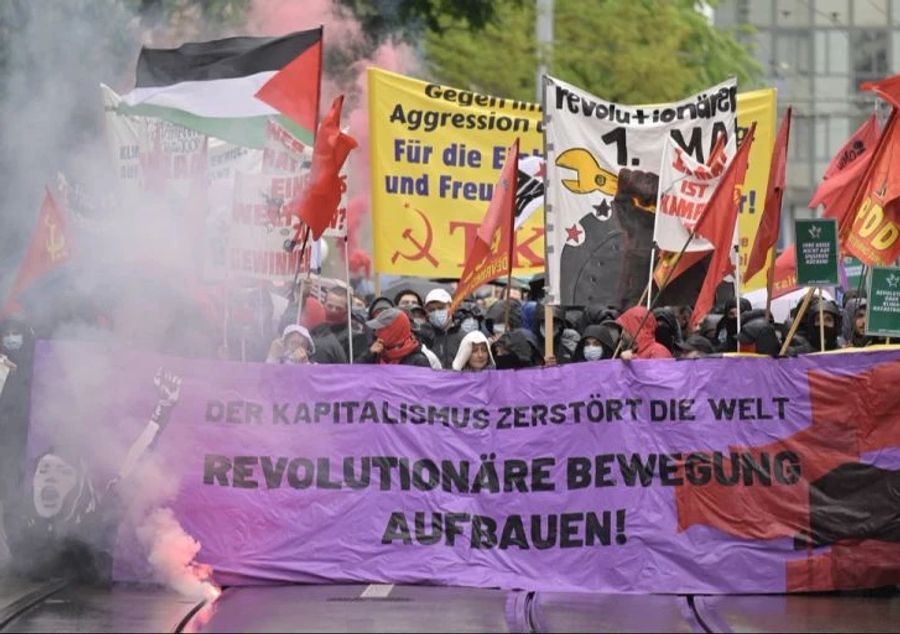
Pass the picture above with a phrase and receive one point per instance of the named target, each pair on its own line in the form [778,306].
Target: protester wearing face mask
[495,318]
[517,349]
[295,346]
[468,316]
[394,343]
[833,321]
[565,337]
[17,347]
[447,334]
[726,329]
[424,334]
[598,342]
[474,354]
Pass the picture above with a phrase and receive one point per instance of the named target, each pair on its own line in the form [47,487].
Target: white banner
[685,187]
[259,227]
[602,184]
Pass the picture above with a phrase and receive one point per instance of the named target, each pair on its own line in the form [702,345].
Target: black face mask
[730,326]
[507,361]
[830,338]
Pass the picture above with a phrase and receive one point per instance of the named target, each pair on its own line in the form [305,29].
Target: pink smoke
[171,553]
[278,17]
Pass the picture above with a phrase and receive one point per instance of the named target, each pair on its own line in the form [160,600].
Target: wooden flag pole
[548,331]
[797,319]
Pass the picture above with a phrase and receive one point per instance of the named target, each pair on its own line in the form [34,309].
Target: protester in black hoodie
[726,329]
[758,334]
[517,349]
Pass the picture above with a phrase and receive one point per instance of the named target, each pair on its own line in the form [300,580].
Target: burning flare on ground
[171,552]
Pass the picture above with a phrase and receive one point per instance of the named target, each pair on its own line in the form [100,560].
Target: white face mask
[593,353]
[438,318]
[53,480]
[469,324]
[13,342]
[499,329]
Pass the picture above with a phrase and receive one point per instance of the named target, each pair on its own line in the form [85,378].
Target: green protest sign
[854,269]
[883,312]
[817,252]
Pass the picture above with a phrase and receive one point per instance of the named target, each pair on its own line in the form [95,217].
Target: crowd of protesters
[494,329]
[488,331]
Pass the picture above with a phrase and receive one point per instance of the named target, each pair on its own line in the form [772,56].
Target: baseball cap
[384,319]
[438,295]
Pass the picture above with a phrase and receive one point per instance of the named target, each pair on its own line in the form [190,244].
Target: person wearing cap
[447,334]
[694,347]
[294,346]
[394,343]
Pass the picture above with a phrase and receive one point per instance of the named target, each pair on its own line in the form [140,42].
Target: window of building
[793,12]
[870,12]
[758,12]
[831,12]
[870,55]
[792,53]
[838,51]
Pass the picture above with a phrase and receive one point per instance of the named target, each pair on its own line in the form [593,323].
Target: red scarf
[398,339]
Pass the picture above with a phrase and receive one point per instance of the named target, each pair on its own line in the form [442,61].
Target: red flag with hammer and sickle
[49,248]
[491,255]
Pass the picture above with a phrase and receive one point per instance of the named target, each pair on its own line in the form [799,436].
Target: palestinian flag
[229,88]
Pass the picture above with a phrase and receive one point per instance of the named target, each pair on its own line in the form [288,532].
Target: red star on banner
[542,170]
[573,233]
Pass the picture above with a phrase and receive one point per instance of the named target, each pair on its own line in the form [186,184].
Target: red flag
[767,234]
[491,255]
[716,224]
[784,273]
[323,195]
[871,231]
[294,90]
[841,178]
[49,248]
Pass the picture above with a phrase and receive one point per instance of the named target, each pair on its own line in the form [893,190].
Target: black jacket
[415,358]
[328,348]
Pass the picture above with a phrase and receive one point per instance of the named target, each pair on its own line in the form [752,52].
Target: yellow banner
[436,153]
[759,106]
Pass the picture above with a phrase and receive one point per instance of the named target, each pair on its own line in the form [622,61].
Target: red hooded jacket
[646,346]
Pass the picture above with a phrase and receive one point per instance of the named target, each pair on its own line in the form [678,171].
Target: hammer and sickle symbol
[590,177]
[56,242]
[423,248]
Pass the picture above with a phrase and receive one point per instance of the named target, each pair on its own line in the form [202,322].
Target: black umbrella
[420,285]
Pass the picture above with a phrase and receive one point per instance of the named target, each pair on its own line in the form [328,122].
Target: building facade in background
[817,53]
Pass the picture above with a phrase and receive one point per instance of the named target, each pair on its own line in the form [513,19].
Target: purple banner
[695,476]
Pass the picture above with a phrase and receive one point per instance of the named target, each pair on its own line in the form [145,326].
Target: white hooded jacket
[465,350]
